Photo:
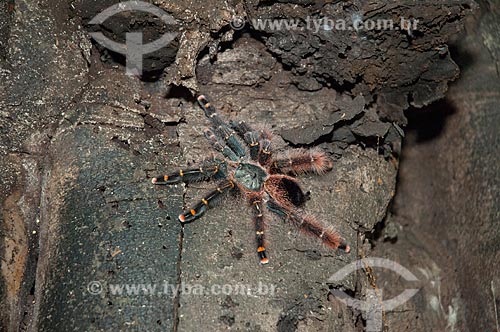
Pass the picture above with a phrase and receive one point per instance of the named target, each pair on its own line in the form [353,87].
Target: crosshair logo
[133,49]
[373,305]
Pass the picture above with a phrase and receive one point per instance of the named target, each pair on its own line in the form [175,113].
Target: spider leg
[286,188]
[259,141]
[300,161]
[205,171]
[265,151]
[252,140]
[259,223]
[221,129]
[250,136]
[208,201]
[308,224]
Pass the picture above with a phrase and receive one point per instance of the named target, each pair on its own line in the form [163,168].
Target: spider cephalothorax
[261,178]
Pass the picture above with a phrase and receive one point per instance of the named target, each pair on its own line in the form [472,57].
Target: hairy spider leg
[208,201]
[264,147]
[222,130]
[252,140]
[224,149]
[300,161]
[205,171]
[241,128]
[259,142]
[265,151]
[230,138]
[309,225]
[260,224]
[250,136]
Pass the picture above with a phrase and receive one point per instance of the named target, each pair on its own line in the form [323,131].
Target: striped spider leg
[207,170]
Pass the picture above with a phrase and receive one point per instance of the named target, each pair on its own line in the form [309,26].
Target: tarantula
[263,179]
